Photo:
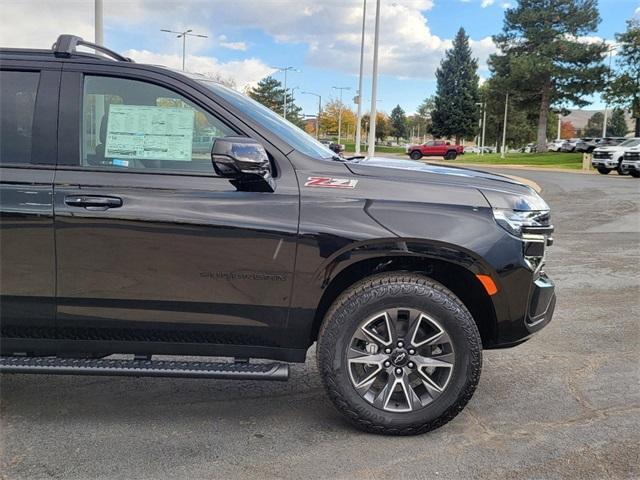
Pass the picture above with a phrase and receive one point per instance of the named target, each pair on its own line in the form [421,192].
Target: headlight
[516,222]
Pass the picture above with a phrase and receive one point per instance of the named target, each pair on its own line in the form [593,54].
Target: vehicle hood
[498,190]
[413,171]
[609,149]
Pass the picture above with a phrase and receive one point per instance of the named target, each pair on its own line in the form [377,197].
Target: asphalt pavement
[566,404]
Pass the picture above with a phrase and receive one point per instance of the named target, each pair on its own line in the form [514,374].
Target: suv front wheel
[399,354]
[416,155]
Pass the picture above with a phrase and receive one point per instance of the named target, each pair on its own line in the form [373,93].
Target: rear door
[152,246]
[28,121]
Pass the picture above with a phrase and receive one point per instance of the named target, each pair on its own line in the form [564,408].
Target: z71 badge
[326,182]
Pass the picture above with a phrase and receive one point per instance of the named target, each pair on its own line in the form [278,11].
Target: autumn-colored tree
[567,130]
[329,119]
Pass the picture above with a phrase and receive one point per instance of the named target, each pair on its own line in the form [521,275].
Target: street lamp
[285,70]
[359,97]
[184,35]
[604,123]
[484,125]
[340,110]
[319,111]
[371,149]
[99,31]
[504,127]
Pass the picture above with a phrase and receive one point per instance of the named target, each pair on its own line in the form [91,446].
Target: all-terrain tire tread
[362,293]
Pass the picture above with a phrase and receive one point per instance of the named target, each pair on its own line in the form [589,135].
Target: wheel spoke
[376,336]
[382,399]
[431,340]
[364,385]
[438,361]
[413,401]
[366,358]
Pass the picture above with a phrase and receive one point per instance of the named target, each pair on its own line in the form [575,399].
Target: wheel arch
[461,280]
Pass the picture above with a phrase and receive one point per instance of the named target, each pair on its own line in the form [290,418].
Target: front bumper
[631,162]
[604,162]
[542,302]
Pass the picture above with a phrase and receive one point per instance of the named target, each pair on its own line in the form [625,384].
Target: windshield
[287,131]
[632,142]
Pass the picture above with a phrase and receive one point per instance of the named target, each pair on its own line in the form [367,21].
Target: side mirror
[245,161]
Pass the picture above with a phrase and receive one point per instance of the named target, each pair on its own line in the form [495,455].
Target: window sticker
[146,132]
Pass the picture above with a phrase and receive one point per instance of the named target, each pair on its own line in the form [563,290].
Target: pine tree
[455,111]
[617,124]
[270,93]
[594,125]
[543,59]
[398,123]
[624,89]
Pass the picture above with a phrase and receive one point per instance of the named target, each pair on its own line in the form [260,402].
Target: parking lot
[564,405]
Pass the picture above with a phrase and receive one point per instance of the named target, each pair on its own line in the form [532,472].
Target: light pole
[99,32]
[359,115]
[184,35]
[559,125]
[483,124]
[504,127]
[340,110]
[374,86]
[319,111]
[604,122]
[285,70]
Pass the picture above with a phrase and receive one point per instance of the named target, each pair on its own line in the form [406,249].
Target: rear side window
[17,104]
[131,124]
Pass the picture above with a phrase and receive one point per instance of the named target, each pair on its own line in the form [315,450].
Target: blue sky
[320,38]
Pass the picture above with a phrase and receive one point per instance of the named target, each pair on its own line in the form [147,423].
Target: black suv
[147,212]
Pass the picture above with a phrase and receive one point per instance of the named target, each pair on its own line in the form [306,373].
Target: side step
[145,368]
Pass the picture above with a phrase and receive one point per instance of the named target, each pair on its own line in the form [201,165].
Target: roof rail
[66,45]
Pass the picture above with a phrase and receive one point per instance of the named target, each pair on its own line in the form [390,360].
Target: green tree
[455,112]
[398,123]
[270,93]
[594,125]
[617,124]
[624,89]
[542,58]
[382,125]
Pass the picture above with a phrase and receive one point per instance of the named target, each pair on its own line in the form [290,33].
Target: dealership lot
[566,404]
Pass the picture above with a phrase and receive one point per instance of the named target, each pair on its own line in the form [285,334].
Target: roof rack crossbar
[66,45]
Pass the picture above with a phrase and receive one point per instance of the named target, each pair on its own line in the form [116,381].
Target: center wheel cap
[400,357]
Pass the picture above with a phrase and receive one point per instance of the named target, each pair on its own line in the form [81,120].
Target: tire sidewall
[455,320]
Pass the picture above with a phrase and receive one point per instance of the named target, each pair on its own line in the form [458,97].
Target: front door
[152,246]
[28,112]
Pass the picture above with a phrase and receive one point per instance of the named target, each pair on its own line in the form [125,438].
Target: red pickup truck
[435,148]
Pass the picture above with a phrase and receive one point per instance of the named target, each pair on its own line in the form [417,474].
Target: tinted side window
[135,124]
[17,103]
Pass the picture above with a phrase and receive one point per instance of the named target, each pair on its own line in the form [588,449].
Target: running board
[145,368]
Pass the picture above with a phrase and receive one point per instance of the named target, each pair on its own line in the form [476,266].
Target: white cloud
[486,3]
[506,5]
[37,24]
[244,72]
[637,12]
[330,30]
[223,42]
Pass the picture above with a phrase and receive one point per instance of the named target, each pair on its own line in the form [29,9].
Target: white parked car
[631,161]
[610,157]
[556,145]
